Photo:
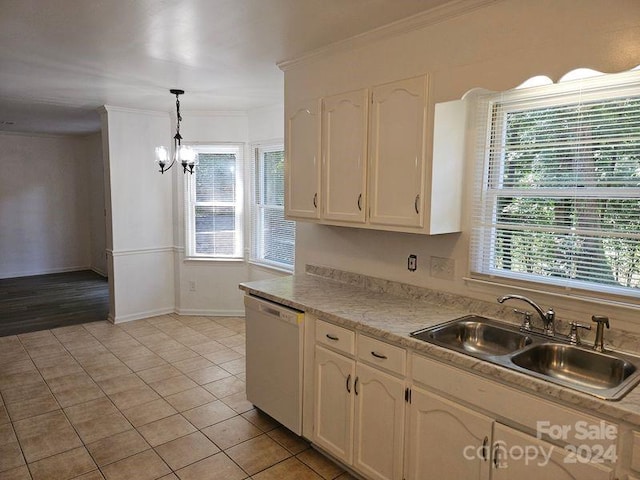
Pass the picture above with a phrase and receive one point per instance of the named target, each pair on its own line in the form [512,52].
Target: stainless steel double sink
[607,375]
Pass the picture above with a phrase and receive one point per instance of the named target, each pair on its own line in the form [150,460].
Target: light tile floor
[160,398]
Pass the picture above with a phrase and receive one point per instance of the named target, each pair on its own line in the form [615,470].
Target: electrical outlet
[412,263]
[443,268]
[192,286]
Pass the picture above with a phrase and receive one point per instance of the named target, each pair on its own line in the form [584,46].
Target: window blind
[558,199]
[215,202]
[272,236]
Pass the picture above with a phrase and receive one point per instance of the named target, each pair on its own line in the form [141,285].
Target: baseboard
[209,313]
[138,316]
[99,271]
[47,271]
[185,312]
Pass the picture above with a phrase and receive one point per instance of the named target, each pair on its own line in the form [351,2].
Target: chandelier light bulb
[187,155]
[162,154]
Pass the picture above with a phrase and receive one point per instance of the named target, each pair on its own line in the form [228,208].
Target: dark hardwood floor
[41,302]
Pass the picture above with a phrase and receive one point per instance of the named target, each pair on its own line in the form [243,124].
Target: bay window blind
[272,236]
[558,199]
[214,203]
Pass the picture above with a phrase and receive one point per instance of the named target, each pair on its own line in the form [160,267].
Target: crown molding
[45,135]
[432,16]
[216,113]
[104,109]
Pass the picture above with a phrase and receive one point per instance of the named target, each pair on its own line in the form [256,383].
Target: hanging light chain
[179,117]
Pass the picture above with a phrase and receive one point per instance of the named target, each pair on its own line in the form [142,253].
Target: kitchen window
[272,236]
[558,200]
[214,203]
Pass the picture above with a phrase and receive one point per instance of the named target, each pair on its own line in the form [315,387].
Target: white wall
[216,282]
[147,268]
[496,47]
[98,242]
[45,204]
[139,204]
[266,123]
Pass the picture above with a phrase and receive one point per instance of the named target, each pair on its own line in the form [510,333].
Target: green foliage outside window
[566,180]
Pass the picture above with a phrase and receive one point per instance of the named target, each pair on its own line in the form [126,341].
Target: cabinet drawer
[381,354]
[338,338]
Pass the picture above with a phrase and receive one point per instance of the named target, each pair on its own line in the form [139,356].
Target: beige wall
[496,47]
[51,204]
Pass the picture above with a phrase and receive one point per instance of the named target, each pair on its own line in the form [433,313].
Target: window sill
[268,267]
[597,299]
[212,259]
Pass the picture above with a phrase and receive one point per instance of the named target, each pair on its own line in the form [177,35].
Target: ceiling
[62,59]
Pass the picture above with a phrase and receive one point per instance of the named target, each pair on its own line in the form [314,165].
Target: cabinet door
[396,153]
[303,161]
[518,456]
[446,441]
[379,424]
[344,154]
[333,426]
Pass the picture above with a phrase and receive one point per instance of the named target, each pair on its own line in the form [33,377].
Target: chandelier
[182,154]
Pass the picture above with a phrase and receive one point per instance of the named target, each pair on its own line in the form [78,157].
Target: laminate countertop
[391,311]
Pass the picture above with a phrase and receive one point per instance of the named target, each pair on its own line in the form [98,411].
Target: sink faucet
[548,317]
[602,321]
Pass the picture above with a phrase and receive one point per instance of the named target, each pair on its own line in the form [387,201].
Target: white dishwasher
[274,360]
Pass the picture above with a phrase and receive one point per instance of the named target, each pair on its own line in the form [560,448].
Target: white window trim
[189,204]
[557,94]
[265,146]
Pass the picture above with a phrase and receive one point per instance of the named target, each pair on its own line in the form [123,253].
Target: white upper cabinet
[344,151]
[378,170]
[303,161]
[397,136]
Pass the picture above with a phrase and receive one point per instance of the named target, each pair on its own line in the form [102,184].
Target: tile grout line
[137,339]
[165,329]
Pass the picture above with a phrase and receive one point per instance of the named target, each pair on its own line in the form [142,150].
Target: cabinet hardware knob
[415,204]
[360,202]
[332,337]
[379,355]
[349,383]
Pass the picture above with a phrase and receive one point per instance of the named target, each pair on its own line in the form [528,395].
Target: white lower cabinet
[359,412]
[333,426]
[466,435]
[449,425]
[518,456]
[446,440]
[379,421]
